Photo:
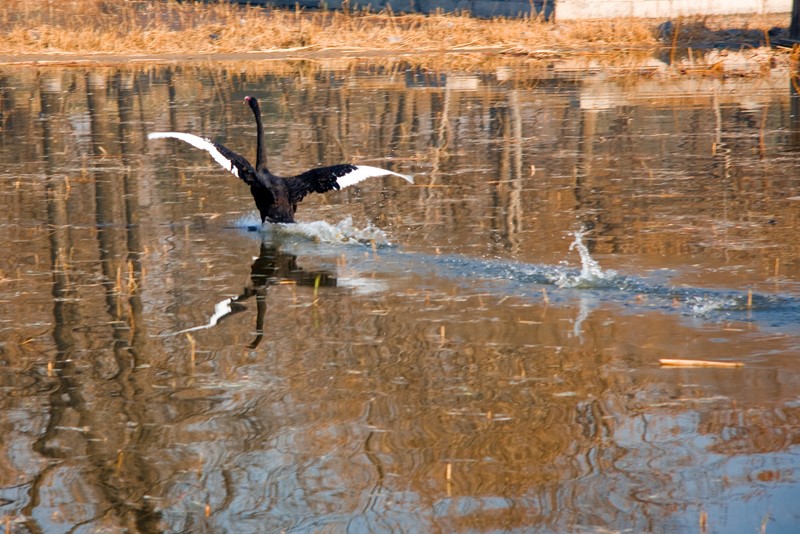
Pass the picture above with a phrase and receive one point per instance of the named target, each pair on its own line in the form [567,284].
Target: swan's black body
[277,197]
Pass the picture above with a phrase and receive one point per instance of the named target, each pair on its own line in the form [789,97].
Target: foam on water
[706,305]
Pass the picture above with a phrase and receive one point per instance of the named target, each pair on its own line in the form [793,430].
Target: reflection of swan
[277,197]
[270,267]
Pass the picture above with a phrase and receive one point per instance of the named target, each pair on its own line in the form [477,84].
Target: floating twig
[697,363]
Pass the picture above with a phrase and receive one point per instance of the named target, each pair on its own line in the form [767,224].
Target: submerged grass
[168,27]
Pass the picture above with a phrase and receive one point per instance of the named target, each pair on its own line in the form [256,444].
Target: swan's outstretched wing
[230,160]
[323,179]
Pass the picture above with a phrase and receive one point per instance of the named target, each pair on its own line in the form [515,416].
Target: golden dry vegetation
[152,28]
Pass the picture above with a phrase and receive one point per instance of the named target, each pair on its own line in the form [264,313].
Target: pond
[476,352]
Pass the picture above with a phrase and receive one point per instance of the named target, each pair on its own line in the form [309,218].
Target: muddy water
[477,352]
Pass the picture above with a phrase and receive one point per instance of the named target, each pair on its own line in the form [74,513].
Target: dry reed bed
[91,26]
[153,27]
[69,29]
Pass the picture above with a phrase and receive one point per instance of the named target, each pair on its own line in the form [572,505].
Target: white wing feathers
[202,143]
[362,172]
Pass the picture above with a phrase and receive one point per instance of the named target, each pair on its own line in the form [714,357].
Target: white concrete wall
[606,9]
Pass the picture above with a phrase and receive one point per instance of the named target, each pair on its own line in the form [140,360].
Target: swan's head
[252,102]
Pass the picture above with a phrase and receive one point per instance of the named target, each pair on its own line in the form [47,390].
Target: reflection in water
[434,385]
[270,267]
[794,85]
[70,413]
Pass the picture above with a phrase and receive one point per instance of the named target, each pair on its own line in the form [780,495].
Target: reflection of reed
[507,185]
[794,102]
[116,213]
[74,422]
[64,293]
[125,104]
[66,396]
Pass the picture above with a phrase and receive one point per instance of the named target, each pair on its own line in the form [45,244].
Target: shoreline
[289,54]
[753,62]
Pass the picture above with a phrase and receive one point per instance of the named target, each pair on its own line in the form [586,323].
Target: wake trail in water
[589,281]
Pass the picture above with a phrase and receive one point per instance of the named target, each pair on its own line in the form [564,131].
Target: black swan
[277,197]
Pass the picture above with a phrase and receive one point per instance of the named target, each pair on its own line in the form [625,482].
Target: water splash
[343,232]
[250,221]
[591,274]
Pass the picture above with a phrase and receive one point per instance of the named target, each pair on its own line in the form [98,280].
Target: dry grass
[91,26]
[137,27]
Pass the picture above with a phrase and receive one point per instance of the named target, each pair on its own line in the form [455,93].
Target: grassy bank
[87,26]
[82,26]
[63,30]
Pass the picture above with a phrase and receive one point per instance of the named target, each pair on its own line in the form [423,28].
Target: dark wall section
[478,8]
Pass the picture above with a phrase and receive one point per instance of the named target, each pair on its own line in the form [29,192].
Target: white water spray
[320,231]
[591,274]
[342,232]
[590,269]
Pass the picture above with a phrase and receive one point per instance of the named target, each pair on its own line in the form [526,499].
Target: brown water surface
[426,358]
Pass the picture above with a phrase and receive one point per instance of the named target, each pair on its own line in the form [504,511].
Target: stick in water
[697,363]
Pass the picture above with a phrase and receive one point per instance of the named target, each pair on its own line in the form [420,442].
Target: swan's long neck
[261,149]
